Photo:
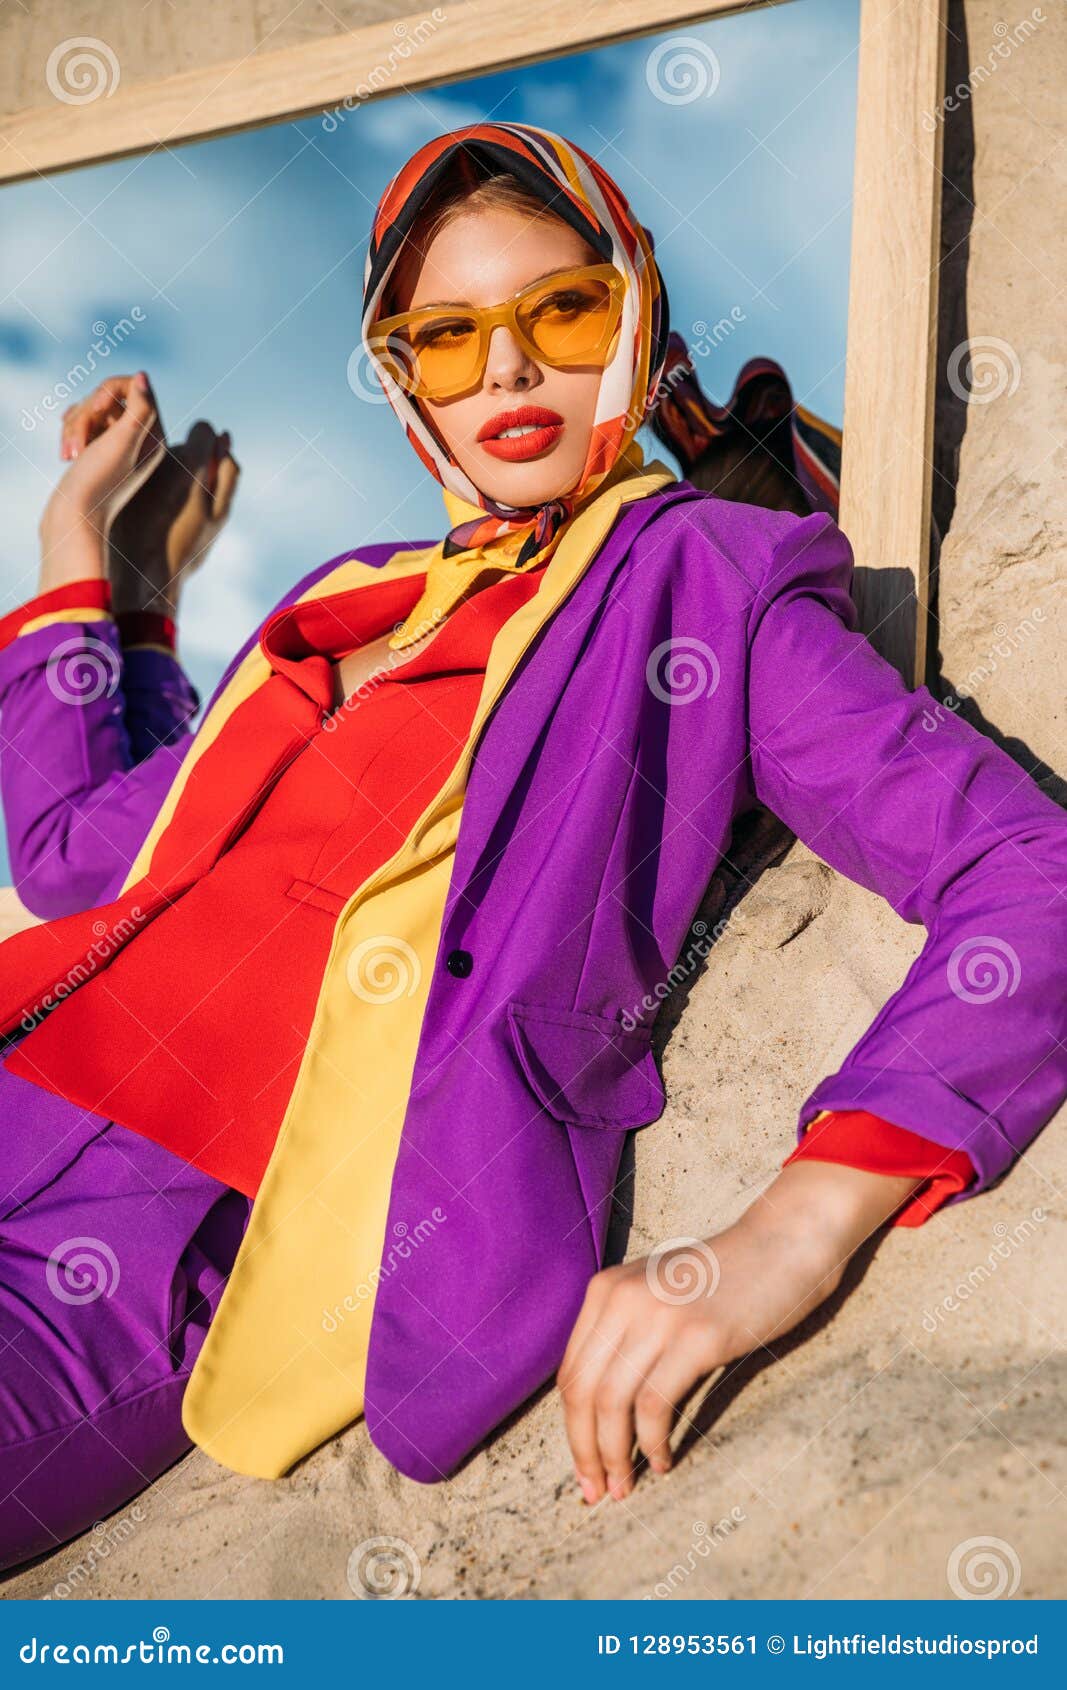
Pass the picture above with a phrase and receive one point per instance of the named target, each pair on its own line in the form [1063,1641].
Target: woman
[331,1083]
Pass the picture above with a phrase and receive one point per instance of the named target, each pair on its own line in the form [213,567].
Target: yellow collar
[449,579]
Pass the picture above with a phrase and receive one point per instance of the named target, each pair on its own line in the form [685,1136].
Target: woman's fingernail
[619,1486]
[587,1488]
[142,381]
[658,1465]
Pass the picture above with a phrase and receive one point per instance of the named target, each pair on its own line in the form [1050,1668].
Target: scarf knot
[467,551]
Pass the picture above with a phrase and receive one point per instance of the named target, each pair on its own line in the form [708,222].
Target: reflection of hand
[115,441]
[168,527]
[651,1330]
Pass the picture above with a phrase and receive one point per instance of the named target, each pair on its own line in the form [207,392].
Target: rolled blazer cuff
[855,1138]
[914,803]
[923,1104]
[87,758]
[75,603]
[158,694]
[38,646]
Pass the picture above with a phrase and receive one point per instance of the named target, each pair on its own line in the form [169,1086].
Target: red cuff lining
[94,593]
[858,1139]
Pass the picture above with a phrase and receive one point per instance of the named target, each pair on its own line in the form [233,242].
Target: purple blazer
[708,659]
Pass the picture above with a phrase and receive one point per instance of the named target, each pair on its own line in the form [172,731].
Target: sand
[853,1462]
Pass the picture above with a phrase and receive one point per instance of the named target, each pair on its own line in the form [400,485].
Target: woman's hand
[113,441]
[146,514]
[650,1330]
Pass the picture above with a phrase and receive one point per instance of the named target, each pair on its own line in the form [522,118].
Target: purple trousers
[113,1257]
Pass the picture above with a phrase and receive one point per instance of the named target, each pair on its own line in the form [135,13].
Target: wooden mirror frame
[889,376]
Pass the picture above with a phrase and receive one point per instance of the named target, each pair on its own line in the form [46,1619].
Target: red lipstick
[541,430]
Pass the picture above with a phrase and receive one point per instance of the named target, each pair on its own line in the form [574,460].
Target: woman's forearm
[72,547]
[846,1204]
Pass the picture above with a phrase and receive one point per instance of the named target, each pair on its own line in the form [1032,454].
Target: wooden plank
[892,324]
[438,45]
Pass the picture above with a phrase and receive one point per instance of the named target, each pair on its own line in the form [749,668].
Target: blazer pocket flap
[586,1068]
[310,892]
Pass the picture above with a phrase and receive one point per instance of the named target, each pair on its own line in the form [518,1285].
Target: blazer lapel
[251,673]
[230,766]
[275,1377]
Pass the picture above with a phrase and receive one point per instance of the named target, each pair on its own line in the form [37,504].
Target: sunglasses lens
[569,324]
[434,355]
[567,321]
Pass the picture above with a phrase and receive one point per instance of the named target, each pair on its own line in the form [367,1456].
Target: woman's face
[482,258]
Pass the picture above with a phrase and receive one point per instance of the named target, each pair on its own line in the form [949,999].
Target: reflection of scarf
[761,414]
[486,535]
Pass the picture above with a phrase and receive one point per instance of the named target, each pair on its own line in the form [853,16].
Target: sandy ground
[896,1446]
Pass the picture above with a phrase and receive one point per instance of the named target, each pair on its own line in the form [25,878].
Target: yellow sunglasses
[566,319]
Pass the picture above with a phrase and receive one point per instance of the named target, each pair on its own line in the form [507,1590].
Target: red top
[177,1037]
[162,1040]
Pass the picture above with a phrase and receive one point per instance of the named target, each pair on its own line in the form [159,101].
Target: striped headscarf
[582,193]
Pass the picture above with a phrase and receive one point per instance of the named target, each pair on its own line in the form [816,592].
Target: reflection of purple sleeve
[91,744]
[160,699]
